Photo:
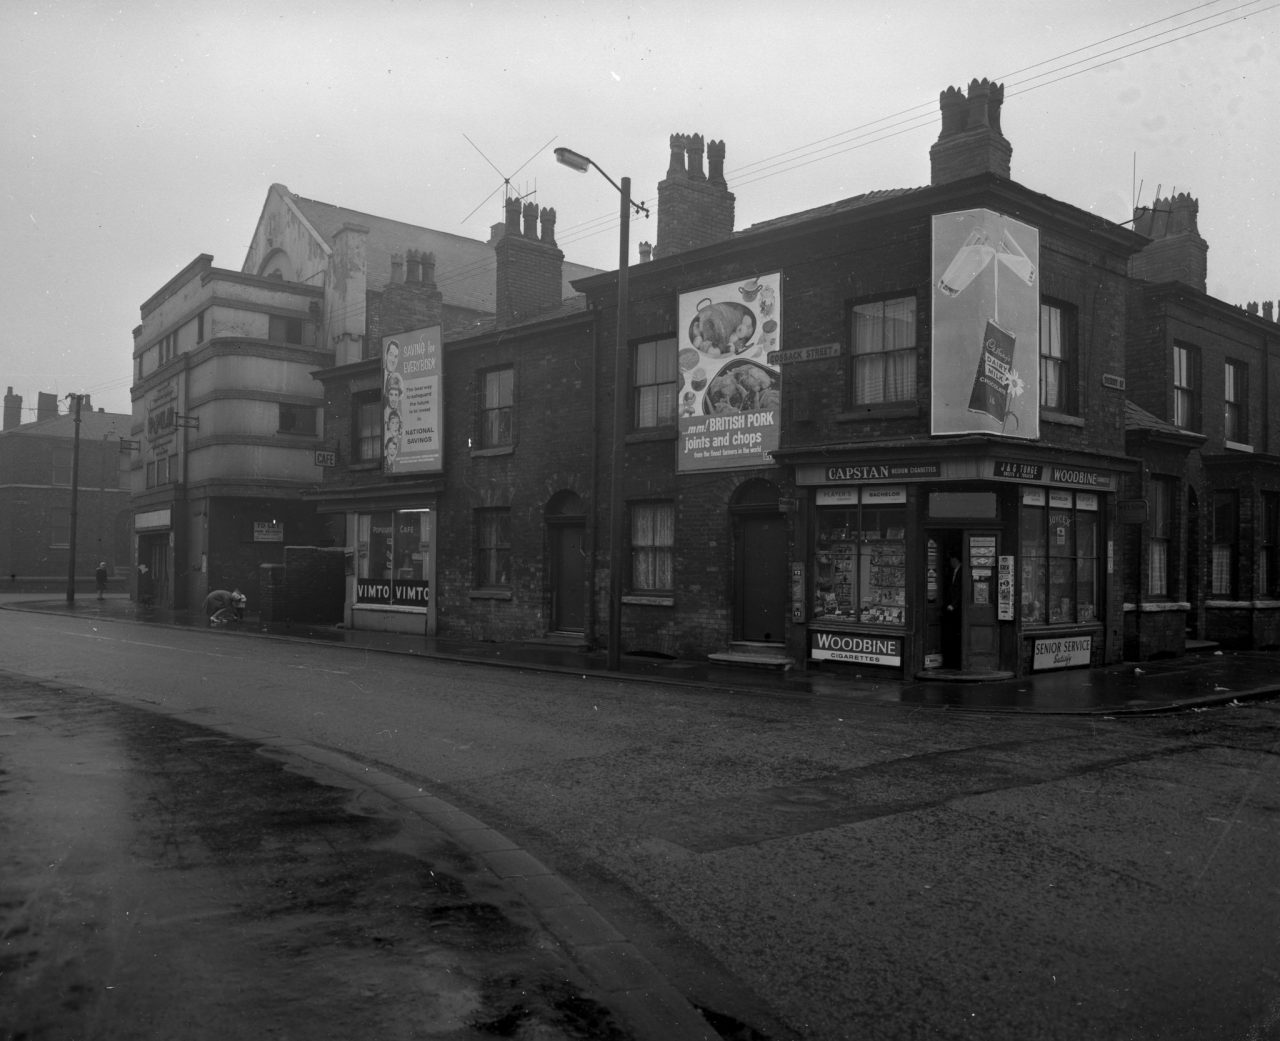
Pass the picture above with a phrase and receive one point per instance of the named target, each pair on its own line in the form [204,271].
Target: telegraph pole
[76,399]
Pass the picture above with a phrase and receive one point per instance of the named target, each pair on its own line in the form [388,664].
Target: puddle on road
[159,881]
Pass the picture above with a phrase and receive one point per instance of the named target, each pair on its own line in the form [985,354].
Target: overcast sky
[140,134]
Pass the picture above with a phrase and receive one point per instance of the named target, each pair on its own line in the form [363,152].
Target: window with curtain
[366,427]
[1185,387]
[1058,537]
[1235,399]
[1226,535]
[497,398]
[1160,540]
[1269,548]
[656,382]
[884,351]
[652,546]
[1058,358]
[493,549]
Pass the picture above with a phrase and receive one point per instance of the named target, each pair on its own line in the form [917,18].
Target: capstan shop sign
[855,647]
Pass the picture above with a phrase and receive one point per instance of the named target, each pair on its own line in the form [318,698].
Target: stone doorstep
[753,656]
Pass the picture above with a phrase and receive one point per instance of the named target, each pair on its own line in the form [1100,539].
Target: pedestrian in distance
[100,577]
[223,606]
[146,586]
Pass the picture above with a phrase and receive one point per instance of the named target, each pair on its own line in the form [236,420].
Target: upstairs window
[283,329]
[1058,379]
[656,379]
[884,351]
[1235,402]
[61,466]
[298,419]
[1186,402]
[366,427]
[497,400]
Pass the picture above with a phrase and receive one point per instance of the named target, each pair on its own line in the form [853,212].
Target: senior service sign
[412,366]
[730,399]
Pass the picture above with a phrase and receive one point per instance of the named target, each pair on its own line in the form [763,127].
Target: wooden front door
[568,577]
[760,577]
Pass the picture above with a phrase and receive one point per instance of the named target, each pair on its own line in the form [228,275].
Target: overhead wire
[905,121]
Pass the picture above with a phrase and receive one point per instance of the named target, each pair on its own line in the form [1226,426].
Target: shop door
[568,577]
[760,577]
[981,638]
[962,632]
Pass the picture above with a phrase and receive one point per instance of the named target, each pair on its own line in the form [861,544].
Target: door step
[748,655]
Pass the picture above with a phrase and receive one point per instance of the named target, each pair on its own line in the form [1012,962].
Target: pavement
[1210,676]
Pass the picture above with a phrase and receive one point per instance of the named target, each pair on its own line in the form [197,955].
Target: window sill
[490,594]
[667,433]
[483,453]
[646,600]
[365,464]
[1061,418]
[888,410]
[1236,446]
[1156,606]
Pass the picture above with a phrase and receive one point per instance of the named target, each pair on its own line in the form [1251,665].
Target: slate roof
[465,268]
[93,426]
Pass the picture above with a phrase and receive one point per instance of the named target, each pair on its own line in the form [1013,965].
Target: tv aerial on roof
[506,180]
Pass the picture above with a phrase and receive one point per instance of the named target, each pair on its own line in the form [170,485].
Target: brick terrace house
[231,423]
[1203,563]
[36,463]
[951,359]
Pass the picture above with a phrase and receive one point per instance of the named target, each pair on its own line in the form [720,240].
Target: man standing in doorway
[952,612]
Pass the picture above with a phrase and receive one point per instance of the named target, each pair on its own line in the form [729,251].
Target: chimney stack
[694,209]
[530,275]
[970,141]
[12,410]
[1176,252]
[46,406]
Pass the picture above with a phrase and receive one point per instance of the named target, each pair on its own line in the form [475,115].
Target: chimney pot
[548,220]
[675,168]
[397,268]
[646,252]
[531,220]
[513,216]
[694,148]
[715,164]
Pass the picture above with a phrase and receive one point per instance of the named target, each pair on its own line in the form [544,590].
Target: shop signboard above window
[729,396]
[986,325]
[412,410]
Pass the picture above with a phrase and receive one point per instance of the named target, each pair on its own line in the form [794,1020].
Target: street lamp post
[617,513]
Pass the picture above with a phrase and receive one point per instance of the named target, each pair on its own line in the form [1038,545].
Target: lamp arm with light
[577,161]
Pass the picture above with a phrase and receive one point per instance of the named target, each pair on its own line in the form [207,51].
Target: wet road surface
[159,880]
[867,872]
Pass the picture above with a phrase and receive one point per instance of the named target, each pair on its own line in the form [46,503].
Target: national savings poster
[411,406]
[730,397]
[986,325]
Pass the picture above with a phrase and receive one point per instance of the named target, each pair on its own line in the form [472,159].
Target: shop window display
[1058,536]
[861,565]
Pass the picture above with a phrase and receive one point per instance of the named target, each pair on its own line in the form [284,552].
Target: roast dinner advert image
[729,398]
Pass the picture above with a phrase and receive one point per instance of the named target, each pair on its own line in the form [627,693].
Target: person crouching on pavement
[222,606]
